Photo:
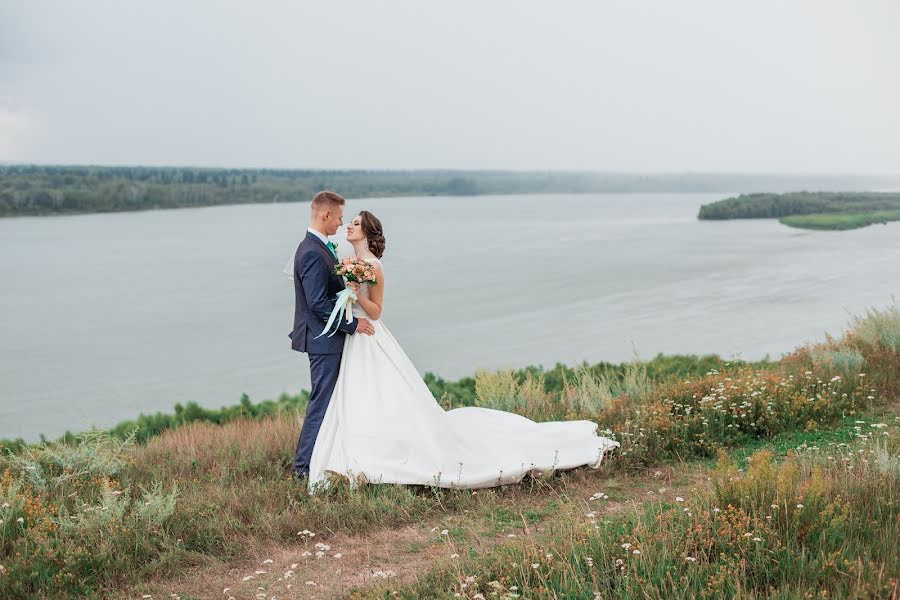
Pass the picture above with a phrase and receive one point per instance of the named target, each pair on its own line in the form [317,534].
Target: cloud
[18,128]
[658,86]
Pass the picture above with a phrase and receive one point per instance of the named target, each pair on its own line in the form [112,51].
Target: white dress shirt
[319,235]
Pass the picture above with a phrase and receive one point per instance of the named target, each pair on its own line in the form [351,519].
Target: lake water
[106,316]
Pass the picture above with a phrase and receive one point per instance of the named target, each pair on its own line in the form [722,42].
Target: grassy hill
[769,480]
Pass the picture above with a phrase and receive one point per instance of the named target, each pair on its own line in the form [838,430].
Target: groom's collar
[317,237]
[318,234]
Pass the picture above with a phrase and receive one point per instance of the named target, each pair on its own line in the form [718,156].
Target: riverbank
[841,221]
[37,190]
[204,507]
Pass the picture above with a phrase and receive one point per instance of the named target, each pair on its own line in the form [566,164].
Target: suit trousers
[323,371]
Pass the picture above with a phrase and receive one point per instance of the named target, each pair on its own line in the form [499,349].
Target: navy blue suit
[315,288]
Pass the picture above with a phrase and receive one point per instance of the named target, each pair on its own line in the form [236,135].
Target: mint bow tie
[333,248]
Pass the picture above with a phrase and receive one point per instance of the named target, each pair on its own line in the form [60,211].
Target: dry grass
[241,448]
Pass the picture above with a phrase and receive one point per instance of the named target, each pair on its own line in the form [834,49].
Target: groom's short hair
[326,199]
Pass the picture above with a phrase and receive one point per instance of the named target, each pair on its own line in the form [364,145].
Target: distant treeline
[451,394]
[42,190]
[775,206]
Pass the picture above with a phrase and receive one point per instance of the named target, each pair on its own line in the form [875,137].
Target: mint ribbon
[344,298]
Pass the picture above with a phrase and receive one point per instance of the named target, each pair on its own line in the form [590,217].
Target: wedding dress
[383,425]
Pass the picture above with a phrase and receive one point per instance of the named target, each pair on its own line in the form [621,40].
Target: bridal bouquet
[352,269]
[356,269]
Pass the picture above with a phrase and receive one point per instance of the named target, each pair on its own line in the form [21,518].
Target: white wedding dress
[383,425]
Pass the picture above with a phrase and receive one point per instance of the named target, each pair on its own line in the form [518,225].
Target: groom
[315,288]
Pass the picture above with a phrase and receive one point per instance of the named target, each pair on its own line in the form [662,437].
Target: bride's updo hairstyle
[371,226]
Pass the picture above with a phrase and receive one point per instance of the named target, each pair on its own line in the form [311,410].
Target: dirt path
[331,565]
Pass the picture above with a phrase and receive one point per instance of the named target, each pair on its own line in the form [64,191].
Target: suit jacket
[315,288]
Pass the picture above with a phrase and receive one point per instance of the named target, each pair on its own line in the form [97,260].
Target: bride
[383,425]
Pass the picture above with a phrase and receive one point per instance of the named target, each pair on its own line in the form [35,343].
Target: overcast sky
[755,86]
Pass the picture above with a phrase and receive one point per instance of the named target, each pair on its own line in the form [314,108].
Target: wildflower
[679,499]
[248,578]
[260,572]
[433,529]
[311,583]
[775,506]
[619,562]
[635,551]
[454,555]
[306,553]
[268,561]
[690,559]
[20,520]
[626,545]
[145,596]
[226,590]
[319,554]
[756,539]
[535,565]
[717,509]
[338,555]
[799,506]
[384,574]
[294,566]
[748,534]
[444,532]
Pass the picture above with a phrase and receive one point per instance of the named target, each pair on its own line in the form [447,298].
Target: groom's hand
[365,327]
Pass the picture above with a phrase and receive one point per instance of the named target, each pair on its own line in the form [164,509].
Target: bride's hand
[353,285]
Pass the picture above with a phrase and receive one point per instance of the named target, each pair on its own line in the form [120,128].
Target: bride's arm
[373,304]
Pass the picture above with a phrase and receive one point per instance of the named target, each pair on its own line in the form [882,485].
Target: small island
[810,210]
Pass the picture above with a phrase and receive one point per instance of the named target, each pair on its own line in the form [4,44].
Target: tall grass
[824,523]
[67,526]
